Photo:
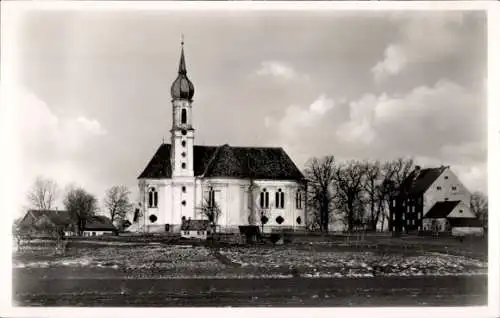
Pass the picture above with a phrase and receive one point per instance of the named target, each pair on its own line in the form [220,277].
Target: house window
[298,200]
[438,188]
[183,116]
[211,197]
[446,177]
[394,203]
[264,199]
[153,198]
[280,199]
[461,211]
[93,233]
[454,188]
[446,199]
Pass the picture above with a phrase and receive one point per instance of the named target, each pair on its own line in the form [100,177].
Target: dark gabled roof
[99,223]
[227,161]
[420,180]
[195,225]
[56,217]
[441,209]
[465,222]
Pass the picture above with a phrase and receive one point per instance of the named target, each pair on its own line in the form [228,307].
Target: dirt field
[32,290]
[319,273]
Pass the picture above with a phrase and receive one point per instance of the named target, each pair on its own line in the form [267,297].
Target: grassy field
[121,271]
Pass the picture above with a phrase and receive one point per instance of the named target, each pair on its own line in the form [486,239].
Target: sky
[92,88]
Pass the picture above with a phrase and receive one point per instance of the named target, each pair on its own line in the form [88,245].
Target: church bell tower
[182,132]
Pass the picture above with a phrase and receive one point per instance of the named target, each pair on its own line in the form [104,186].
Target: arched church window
[152,198]
[183,116]
[264,199]
[280,199]
[183,154]
[298,200]
[183,165]
[183,143]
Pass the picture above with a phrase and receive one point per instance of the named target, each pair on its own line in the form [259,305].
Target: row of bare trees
[356,193]
[81,204]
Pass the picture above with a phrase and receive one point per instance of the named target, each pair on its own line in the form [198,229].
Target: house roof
[420,180]
[228,161]
[56,217]
[64,218]
[194,225]
[441,209]
[99,223]
[465,222]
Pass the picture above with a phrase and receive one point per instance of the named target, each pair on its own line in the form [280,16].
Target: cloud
[279,70]
[50,145]
[297,117]
[422,39]
[440,124]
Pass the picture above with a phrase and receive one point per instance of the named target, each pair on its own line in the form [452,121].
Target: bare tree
[394,173]
[211,210]
[348,182]
[372,189]
[479,206]
[117,202]
[43,193]
[320,177]
[81,205]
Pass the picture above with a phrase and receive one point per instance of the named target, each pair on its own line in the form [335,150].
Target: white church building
[245,182]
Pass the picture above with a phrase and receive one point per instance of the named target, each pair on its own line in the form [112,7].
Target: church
[243,182]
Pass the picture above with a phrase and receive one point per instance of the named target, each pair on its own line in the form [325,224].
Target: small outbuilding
[99,225]
[197,229]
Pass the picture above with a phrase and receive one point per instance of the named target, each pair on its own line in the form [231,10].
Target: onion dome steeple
[182,88]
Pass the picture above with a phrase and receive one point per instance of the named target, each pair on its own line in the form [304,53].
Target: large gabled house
[432,199]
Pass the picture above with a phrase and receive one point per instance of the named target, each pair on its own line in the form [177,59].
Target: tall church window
[298,200]
[264,199]
[152,198]
[280,199]
[211,197]
[183,116]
